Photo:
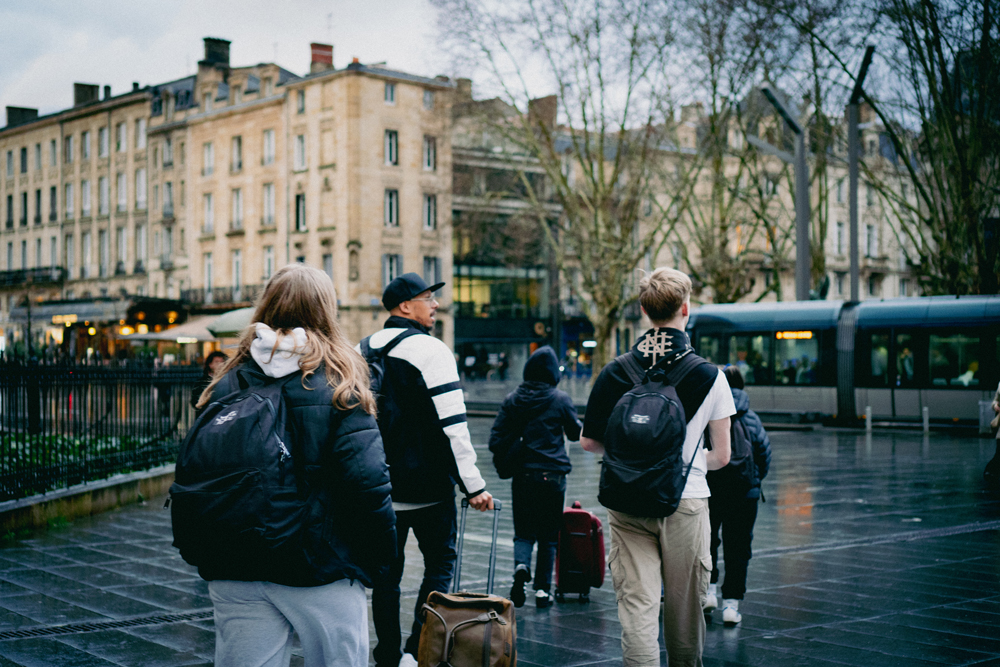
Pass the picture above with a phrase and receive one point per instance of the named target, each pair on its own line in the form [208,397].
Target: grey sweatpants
[254,621]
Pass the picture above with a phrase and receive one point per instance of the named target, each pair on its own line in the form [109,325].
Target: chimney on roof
[355,64]
[20,115]
[463,90]
[322,57]
[135,86]
[85,93]
[107,92]
[216,52]
[692,113]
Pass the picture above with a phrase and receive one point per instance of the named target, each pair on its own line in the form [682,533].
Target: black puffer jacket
[758,439]
[351,530]
[542,414]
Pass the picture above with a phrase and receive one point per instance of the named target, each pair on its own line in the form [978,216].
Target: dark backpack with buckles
[643,472]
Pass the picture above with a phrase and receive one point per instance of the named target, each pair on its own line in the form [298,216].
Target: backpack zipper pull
[285,454]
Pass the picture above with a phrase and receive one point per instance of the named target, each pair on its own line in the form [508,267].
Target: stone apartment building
[128,213]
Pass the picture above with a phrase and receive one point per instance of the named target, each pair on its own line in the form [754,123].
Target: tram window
[750,355]
[880,360]
[904,361]
[796,360]
[709,348]
[954,361]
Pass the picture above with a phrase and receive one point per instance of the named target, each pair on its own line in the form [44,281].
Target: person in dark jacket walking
[349,536]
[733,508]
[528,443]
[213,363]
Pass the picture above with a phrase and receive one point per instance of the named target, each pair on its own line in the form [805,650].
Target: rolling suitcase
[580,561]
[469,629]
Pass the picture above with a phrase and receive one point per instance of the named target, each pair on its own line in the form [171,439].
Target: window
[268,261]
[300,101]
[156,196]
[53,203]
[122,192]
[904,287]
[168,153]
[874,284]
[954,360]
[268,86]
[68,199]
[38,253]
[903,191]
[67,148]
[796,360]
[432,270]
[121,137]
[879,366]
[53,251]
[24,254]
[300,152]
[10,211]
[392,268]
[24,160]
[70,256]
[430,153]
[10,163]
[140,244]
[428,99]
[841,240]
[268,147]
[140,189]
[102,142]
[38,157]
[10,255]
[268,218]
[328,265]
[207,260]
[102,253]
[750,354]
[53,153]
[208,159]
[390,93]
[869,195]
[430,212]
[181,151]
[840,191]
[208,226]
[121,243]
[391,212]
[237,154]
[38,206]
[840,280]
[102,195]
[24,209]
[300,212]
[905,376]
[168,199]
[140,133]
[391,147]
[237,201]
[871,241]
[85,145]
[236,263]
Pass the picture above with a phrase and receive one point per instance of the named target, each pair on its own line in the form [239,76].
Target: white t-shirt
[718,404]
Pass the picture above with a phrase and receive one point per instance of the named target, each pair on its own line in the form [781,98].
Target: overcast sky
[49,44]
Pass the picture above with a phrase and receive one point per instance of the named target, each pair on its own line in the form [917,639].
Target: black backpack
[376,371]
[643,472]
[237,501]
[740,473]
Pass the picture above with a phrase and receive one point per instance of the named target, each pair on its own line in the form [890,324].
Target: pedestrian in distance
[328,537]
[733,505]
[421,415]
[213,363]
[647,415]
[528,441]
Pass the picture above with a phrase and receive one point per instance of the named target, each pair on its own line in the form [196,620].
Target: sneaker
[731,612]
[522,575]
[543,599]
[712,599]
[407,660]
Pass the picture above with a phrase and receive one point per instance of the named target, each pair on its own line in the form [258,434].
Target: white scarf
[282,360]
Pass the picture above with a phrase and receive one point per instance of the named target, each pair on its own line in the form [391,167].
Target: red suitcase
[580,561]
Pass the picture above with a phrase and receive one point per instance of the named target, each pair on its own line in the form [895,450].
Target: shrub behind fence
[63,425]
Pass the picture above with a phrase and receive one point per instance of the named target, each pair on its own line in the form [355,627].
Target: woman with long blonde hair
[349,539]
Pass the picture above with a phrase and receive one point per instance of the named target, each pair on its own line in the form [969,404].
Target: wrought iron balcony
[222,296]
[42,275]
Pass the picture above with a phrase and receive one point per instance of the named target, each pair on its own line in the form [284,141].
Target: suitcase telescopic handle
[456,581]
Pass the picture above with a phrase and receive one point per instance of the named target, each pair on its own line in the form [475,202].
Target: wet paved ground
[869,551]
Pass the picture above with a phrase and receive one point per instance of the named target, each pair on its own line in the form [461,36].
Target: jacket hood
[543,366]
[741,400]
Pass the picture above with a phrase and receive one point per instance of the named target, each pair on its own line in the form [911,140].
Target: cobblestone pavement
[879,550]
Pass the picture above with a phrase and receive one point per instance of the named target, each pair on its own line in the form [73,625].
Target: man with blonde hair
[658,509]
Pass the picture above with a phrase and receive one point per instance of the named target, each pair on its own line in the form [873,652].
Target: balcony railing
[168,211]
[166,262]
[42,275]
[139,267]
[120,269]
[38,219]
[222,295]
[10,223]
[267,221]
[53,216]
[235,227]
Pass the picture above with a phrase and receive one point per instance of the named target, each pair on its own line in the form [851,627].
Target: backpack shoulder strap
[682,367]
[632,368]
[383,351]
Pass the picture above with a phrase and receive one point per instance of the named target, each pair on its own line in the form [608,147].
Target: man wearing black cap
[428,449]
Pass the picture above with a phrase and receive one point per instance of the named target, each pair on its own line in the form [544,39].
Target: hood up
[741,400]
[543,366]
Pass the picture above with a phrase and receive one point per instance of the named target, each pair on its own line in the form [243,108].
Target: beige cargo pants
[674,552]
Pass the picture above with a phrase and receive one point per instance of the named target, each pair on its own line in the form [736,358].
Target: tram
[829,360]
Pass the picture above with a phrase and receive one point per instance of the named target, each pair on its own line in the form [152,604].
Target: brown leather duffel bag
[469,629]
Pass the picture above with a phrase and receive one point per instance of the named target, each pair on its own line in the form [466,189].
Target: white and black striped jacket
[425,430]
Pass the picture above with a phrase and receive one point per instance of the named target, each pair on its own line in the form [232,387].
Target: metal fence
[62,425]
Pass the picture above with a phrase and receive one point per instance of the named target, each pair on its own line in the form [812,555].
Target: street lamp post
[803,260]
[853,150]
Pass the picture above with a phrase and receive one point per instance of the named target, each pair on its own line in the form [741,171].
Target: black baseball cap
[404,288]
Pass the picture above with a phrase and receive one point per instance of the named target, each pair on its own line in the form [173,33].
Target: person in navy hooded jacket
[528,445]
